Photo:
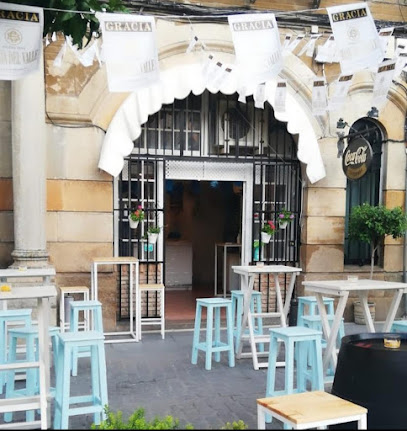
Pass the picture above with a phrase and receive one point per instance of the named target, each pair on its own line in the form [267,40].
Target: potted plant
[135,217]
[285,217]
[152,234]
[267,231]
[371,224]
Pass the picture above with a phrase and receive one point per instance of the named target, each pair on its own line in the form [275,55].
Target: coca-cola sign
[357,158]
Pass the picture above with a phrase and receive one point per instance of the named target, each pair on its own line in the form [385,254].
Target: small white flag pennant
[242,94]
[309,47]
[281,95]
[385,36]
[382,82]
[326,52]
[295,42]
[194,41]
[341,91]
[87,57]
[60,56]
[287,41]
[401,63]
[260,96]
[319,102]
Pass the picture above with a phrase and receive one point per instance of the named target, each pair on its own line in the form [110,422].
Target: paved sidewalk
[158,375]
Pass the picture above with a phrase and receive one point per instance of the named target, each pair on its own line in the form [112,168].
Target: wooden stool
[68,342]
[310,410]
[95,323]
[312,307]
[210,346]
[70,290]
[157,320]
[18,317]
[237,315]
[307,342]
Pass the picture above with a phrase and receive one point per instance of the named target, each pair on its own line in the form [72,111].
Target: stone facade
[79,198]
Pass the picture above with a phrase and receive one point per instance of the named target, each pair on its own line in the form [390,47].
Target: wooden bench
[310,410]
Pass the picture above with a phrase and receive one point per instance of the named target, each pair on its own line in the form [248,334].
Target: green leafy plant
[154,229]
[256,243]
[138,214]
[269,228]
[285,216]
[371,224]
[239,425]
[137,421]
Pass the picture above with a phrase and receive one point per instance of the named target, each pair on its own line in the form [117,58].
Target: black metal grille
[213,128]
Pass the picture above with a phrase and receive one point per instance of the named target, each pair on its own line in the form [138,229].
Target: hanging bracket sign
[357,158]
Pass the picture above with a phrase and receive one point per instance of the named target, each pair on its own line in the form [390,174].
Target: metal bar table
[133,263]
[225,246]
[341,289]
[42,294]
[247,274]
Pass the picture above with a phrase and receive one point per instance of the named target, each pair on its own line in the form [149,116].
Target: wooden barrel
[358,312]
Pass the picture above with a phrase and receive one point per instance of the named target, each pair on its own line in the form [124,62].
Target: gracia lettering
[19,15]
[350,14]
[253,25]
[124,26]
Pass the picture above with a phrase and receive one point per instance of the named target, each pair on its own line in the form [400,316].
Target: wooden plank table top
[309,407]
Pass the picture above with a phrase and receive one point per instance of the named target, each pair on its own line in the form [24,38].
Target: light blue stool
[312,307]
[30,336]
[6,316]
[68,341]
[305,340]
[237,315]
[213,307]
[399,326]
[314,322]
[93,311]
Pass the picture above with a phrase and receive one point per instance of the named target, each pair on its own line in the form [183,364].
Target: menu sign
[357,158]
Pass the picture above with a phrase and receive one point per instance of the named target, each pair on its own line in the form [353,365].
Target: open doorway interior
[199,215]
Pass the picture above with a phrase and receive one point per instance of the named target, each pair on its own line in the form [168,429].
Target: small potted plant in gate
[136,216]
[284,217]
[152,234]
[267,231]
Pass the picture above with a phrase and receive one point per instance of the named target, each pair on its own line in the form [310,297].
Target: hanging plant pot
[133,224]
[283,224]
[152,237]
[265,237]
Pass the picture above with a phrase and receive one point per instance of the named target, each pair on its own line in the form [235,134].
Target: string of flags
[130,53]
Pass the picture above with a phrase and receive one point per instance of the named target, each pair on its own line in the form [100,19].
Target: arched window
[366,189]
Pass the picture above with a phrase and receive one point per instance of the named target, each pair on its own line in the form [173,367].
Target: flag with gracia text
[21,30]
[130,51]
[356,37]
[257,46]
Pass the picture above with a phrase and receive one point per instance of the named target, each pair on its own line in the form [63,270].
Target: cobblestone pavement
[158,375]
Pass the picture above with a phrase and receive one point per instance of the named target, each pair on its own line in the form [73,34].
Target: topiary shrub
[370,224]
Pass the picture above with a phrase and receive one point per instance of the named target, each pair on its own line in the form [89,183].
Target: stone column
[29,170]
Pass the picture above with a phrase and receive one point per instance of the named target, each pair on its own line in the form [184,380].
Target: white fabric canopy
[177,83]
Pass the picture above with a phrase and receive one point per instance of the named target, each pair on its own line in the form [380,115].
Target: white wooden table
[341,289]
[225,246]
[247,274]
[42,294]
[133,288]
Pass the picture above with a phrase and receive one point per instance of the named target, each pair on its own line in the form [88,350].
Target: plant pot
[358,312]
[283,224]
[152,237]
[265,238]
[133,224]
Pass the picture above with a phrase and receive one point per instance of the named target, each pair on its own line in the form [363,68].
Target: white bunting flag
[209,67]
[130,51]
[281,95]
[382,82]
[194,41]
[220,75]
[87,57]
[341,91]
[308,48]
[286,42]
[385,37]
[401,63]
[356,37]
[242,94]
[260,96]
[257,46]
[326,53]
[319,102]
[20,40]
[295,42]
[60,56]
